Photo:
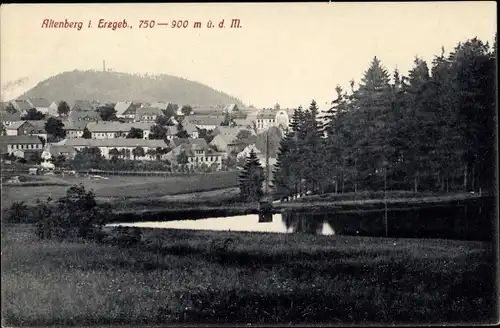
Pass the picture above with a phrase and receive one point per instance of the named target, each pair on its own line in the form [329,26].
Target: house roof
[229,130]
[16,140]
[190,127]
[40,124]
[118,127]
[75,125]
[243,122]
[188,149]
[115,142]
[204,119]
[245,152]
[198,143]
[84,105]
[176,142]
[21,104]
[148,111]
[16,125]
[122,106]
[76,115]
[8,117]
[56,150]
[39,102]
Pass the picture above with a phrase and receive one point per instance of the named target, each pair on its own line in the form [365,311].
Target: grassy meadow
[123,187]
[180,276]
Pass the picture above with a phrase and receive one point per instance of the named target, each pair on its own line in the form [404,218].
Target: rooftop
[39,102]
[13,140]
[116,142]
[75,115]
[75,125]
[122,106]
[8,117]
[118,127]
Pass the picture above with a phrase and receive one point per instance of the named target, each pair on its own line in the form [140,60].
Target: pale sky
[287,53]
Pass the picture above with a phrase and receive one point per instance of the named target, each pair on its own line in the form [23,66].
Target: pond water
[252,223]
[473,221]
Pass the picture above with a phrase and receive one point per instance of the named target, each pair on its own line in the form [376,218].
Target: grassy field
[123,187]
[263,278]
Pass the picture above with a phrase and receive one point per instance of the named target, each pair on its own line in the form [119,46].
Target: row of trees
[120,159]
[431,130]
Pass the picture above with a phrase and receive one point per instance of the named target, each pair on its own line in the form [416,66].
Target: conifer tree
[251,179]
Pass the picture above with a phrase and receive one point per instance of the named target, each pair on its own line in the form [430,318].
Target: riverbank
[261,278]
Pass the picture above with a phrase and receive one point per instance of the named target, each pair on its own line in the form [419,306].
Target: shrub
[75,215]
[124,236]
[17,213]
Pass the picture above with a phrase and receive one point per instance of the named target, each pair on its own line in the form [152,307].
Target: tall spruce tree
[251,179]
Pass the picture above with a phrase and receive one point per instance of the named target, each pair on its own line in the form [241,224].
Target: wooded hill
[114,87]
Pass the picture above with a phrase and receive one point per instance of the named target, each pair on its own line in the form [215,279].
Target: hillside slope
[114,86]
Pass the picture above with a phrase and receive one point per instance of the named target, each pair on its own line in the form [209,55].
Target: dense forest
[432,130]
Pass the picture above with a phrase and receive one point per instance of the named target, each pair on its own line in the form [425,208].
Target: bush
[17,213]
[124,236]
[74,216]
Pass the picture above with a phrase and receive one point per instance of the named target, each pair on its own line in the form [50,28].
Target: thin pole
[267,162]
[385,202]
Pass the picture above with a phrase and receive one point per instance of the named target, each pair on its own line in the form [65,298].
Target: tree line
[432,130]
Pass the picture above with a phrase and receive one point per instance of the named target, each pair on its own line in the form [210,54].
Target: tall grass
[181,277]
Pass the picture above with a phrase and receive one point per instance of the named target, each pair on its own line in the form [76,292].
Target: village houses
[106,146]
[267,118]
[53,108]
[226,138]
[40,104]
[27,128]
[125,109]
[89,116]
[8,118]
[21,105]
[147,114]
[110,130]
[198,154]
[74,129]
[206,122]
[20,145]
[84,106]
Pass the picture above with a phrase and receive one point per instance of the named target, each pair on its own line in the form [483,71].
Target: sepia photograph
[249,164]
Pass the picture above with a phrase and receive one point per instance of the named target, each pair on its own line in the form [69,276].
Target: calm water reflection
[278,223]
[473,221]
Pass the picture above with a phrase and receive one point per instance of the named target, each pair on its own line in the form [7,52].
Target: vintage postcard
[249,164]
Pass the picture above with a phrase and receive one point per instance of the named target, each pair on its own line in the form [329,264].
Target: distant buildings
[147,114]
[205,122]
[111,130]
[110,136]
[88,116]
[267,118]
[197,155]
[8,118]
[117,145]
[19,145]
[40,104]
[74,129]
[27,128]
[125,109]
